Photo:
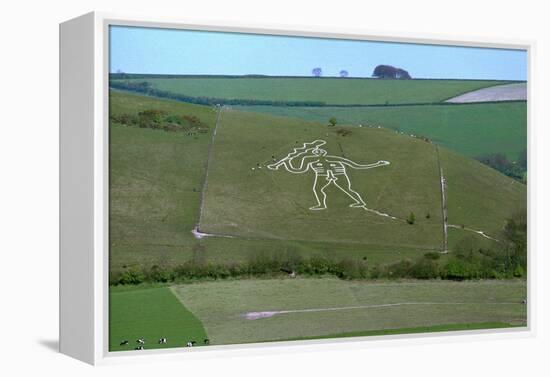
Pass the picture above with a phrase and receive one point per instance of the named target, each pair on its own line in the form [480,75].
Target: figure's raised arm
[355,165]
[304,165]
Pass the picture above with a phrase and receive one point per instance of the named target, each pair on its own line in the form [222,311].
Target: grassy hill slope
[156,178]
[329,90]
[261,203]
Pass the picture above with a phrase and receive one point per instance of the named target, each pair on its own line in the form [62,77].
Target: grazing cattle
[162,341]
[524,301]
[140,341]
[189,344]
[139,348]
[124,343]
[193,342]
[206,341]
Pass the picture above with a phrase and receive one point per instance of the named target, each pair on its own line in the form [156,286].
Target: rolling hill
[156,180]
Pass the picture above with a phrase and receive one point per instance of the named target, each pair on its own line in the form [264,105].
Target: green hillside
[156,181]
[335,91]
[262,203]
[472,130]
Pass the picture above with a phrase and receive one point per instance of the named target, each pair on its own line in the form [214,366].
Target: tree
[344,73]
[402,74]
[498,161]
[317,72]
[390,72]
[332,122]
[522,160]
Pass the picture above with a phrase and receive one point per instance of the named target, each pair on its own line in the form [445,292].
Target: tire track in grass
[268,314]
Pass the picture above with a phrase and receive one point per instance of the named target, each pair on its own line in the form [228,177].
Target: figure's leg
[344,184]
[319,186]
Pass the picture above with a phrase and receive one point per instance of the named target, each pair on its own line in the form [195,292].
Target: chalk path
[480,232]
[268,314]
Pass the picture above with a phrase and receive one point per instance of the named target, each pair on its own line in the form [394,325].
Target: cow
[124,343]
[162,341]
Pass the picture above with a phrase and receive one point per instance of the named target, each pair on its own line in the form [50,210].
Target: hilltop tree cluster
[390,72]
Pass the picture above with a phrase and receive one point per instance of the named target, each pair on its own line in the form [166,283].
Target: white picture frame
[84,48]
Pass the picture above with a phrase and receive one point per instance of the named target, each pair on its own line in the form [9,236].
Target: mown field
[152,313]
[472,130]
[380,306]
[335,91]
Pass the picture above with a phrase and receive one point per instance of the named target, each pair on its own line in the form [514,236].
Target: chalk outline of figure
[332,168]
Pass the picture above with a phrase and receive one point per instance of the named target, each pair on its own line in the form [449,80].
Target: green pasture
[470,129]
[364,307]
[152,313]
[335,91]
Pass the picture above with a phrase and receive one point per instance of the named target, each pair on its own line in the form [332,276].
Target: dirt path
[443,185]
[509,92]
[196,231]
[480,232]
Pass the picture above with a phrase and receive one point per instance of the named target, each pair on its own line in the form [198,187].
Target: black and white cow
[162,341]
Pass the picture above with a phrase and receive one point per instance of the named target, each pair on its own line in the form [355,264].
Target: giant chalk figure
[328,170]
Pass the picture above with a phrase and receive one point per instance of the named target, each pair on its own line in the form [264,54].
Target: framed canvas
[251,188]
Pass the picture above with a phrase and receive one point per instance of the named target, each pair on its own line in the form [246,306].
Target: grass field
[221,306]
[156,178]
[329,90]
[151,313]
[471,130]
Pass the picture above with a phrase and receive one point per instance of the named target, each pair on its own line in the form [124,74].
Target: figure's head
[319,152]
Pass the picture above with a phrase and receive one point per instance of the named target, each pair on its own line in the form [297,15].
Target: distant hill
[318,91]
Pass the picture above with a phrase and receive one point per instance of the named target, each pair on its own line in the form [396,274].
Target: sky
[169,51]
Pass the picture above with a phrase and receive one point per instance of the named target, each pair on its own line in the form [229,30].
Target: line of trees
[145,87]
[161,120]
[498,161]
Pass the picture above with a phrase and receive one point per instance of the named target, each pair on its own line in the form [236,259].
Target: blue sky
[167,51]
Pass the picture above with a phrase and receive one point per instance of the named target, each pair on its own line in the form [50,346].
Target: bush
[131,276]
[344,132]
[425,269]
[411,219]
[332,122]
[432,255]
